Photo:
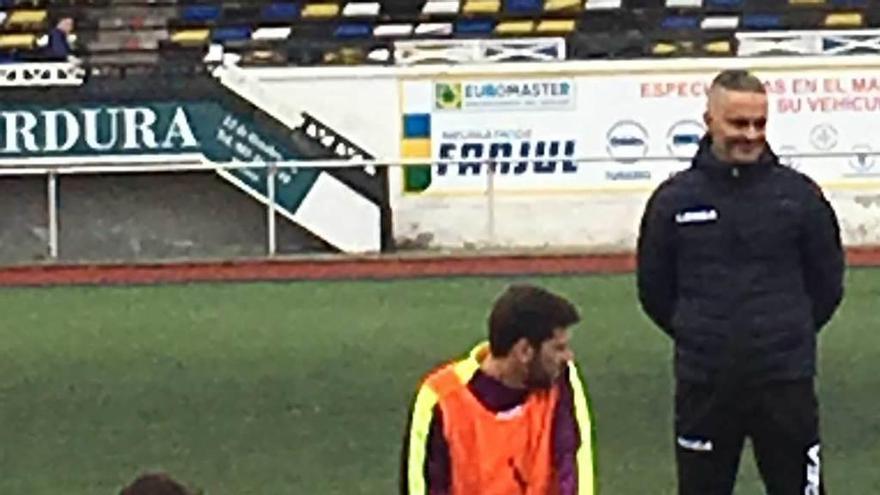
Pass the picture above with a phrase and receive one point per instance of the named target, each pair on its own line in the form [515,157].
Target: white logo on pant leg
[696,444]
[814,467]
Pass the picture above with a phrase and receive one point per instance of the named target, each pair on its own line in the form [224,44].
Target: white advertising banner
[621,124]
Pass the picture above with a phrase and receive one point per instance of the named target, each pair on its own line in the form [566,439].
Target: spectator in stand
[58,48]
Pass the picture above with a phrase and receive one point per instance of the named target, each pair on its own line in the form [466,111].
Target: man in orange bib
[512,418]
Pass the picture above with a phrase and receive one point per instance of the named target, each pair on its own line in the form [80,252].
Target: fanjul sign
[533,131]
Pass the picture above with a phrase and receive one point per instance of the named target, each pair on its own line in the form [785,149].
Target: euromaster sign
[153,132]
[533,129]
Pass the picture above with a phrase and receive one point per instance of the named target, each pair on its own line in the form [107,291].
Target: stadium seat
[603,4]
[20,40]
[681,22]
[727,22]
[439,7]
[522,6]
[726,5]
[320,10]
[26,18]
[474,26]
[353,30]
[435,29]
[684,4]
[272,33]
[481,6]
[515,27]
[231,34]
[564,6]
[392,30]
[762,21]
[844,20]
[189,37]
[361,9]
[200,14]
[280,12]
[555,26]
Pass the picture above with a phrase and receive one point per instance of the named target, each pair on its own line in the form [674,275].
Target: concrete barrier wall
[139,217]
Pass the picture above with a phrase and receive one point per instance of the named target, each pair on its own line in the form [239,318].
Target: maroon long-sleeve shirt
[497,397]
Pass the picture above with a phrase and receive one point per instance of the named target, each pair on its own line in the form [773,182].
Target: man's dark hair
[739,80]
[155,484]
[529,312]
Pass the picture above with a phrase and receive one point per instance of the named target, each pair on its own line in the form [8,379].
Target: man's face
[737,122]
[549,360]
[66,25]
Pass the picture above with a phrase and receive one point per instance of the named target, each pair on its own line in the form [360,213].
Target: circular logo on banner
[786,159]
[862,162]
[627,141]
[823,137]
[683,138]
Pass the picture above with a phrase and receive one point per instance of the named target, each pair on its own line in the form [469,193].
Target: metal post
[52,204]
[270,210]
[490,206]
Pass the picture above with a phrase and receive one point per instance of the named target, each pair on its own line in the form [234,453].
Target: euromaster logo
[447,96]
[520,94]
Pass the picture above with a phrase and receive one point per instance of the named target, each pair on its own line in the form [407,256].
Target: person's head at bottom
[155,484]
[736,117]
[529,337]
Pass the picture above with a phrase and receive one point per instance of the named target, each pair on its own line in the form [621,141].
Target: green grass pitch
[302,388]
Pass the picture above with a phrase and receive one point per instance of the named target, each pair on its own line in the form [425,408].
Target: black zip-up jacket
[742,266]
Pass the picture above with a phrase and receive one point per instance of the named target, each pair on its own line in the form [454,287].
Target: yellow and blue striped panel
[416,143]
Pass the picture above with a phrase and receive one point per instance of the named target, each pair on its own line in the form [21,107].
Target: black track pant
[781,419]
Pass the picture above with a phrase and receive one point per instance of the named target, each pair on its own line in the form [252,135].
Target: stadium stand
[137,32]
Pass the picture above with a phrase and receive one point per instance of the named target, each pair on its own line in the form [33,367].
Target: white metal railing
[71,167]
[53,172]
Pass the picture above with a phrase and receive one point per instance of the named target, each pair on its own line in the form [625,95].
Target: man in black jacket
[740,262]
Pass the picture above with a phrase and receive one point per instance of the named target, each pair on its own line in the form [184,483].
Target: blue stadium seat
[280,12]
[353,30]
[681,22]
[231,33]
[762,21]
[523,6]
[200,13]
[474,26]
[725,4]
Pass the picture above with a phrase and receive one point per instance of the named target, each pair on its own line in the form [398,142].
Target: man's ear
[523,351]
[707,119]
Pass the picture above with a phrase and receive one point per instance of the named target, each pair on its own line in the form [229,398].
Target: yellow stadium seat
[664,49]
[845,19]
[556,26]
[515,27]
[721,47]
[191,36]
[321,10]
[481,6]
[26,17]
[560,5]
[19,40]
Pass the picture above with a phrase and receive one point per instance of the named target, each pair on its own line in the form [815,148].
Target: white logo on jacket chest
[697,216]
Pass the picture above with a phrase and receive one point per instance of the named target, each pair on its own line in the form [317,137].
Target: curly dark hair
[530,312]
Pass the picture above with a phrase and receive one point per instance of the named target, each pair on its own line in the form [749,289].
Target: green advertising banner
[77,132]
